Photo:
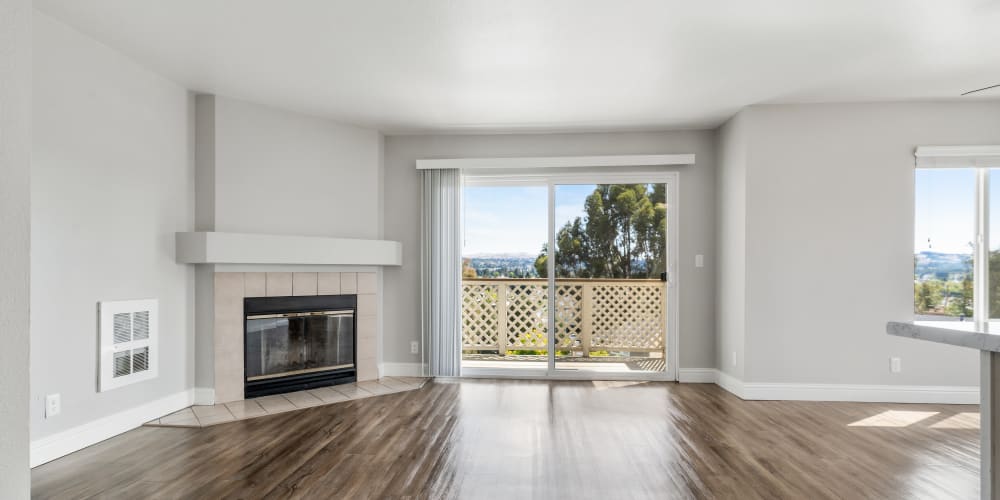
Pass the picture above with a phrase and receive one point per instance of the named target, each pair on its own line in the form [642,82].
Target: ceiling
[552,65]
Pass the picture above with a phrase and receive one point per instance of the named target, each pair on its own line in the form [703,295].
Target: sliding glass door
[610,273]
[504,281]
[567,276]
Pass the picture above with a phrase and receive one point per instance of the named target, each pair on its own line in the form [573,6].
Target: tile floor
[204,416]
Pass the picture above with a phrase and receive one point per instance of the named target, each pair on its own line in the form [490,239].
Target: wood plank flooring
[530,439]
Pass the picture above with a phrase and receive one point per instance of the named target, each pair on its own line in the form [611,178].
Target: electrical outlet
[699,260]
[414,347]
[52,405]
[734,358]
[895,365]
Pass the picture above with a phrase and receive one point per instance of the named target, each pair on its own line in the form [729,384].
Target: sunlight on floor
[602,385]
[893,418]
[966,420]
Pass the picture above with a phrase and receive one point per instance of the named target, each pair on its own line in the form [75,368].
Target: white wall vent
[129,338]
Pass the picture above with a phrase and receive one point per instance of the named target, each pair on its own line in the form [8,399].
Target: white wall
[697,221]
[829,240]
[15,216]
[285,173]
[731,247]
[112,181]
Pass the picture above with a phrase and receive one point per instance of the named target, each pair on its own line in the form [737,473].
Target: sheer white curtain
[441,270]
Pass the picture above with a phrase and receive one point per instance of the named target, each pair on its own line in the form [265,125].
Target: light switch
[699,260]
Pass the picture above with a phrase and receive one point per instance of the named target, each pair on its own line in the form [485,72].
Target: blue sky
[945,210]
[514,219]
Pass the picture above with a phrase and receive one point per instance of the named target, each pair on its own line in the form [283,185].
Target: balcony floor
[602,364]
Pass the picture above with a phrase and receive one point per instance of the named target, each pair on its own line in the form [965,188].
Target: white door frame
[672,303]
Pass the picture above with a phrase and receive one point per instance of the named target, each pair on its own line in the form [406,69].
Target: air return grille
[128,342]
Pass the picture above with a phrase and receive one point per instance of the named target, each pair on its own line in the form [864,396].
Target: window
[944,244]
[956,248]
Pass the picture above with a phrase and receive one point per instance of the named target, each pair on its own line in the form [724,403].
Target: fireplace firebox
[297,343]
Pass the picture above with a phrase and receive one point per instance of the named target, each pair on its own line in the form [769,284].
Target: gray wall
[15,161]
[279,172]
[830,240]
[731,247]
[112,181]
[266,170]
[697,221]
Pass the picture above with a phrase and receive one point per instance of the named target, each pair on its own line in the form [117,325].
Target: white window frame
[981,159]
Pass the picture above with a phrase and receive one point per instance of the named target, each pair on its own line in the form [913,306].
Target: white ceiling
[507,65]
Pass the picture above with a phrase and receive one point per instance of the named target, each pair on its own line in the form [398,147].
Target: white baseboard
[697,375]
[402,369]
[861,393]
[204,396]
[63,443]
[730,383]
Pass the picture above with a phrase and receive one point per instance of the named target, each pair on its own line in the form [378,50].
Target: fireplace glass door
[280,345]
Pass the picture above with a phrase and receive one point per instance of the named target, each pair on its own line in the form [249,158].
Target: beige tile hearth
[392,383]
[352,391]
[216,414]
[206,415]
[303,399]
[247,408]
[375,387]
[276,404]
[183,418]
[328,395]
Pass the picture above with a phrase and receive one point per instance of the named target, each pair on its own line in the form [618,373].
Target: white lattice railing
[591,315]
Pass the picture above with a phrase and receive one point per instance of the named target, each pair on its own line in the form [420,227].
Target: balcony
[600,324]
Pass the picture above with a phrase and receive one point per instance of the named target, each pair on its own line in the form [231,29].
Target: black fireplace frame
[300,304]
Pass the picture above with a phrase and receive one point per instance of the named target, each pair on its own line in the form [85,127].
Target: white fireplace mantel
[245,248]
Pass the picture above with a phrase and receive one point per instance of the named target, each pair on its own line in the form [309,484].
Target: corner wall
[697,222]
[15,260]
[829,249]
[279,172]
[731,224]
[830,240]
[112,181]
[265,170]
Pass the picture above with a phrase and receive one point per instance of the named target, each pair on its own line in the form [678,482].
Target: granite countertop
[961,337]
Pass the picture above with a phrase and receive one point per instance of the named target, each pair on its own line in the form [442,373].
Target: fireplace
[297,343]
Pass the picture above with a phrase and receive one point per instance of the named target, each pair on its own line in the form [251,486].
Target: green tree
[994,285]
[934,292]
[542,261]
[962,304]
[622,235]
[921,298]
[467,270]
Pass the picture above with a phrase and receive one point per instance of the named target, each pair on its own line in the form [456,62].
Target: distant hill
[941,264]
[515,255]
[503,265]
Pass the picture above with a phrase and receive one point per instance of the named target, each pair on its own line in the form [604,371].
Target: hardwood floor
[527,439]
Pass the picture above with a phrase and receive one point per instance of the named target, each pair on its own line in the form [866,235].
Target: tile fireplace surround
[229,290]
